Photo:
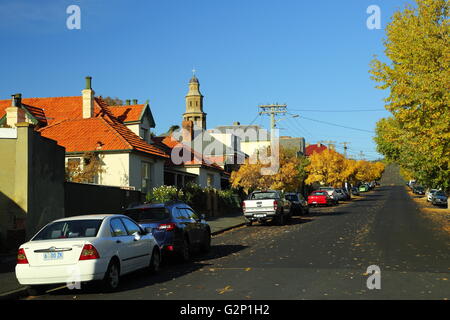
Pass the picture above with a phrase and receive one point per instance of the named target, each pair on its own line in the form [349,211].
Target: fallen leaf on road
[226,289]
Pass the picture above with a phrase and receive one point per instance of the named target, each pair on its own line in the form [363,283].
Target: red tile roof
[98,133]
[314,148]
[54,109]
[128,113]
[80,135]
[61,119]
[169,143]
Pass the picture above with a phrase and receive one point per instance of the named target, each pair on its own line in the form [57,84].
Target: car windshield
[148,214]
[263,195]
[69,229]
[292,197]
[319,193]
[440,193]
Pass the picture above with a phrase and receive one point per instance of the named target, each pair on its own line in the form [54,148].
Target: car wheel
[289,217]
[112,277]
[36,290]
[155,261]
[206,245]
[249,223]
[281,220]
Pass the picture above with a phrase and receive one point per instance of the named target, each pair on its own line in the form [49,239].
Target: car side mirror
[148,230]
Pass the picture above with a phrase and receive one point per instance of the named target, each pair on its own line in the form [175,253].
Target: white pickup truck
[267,205]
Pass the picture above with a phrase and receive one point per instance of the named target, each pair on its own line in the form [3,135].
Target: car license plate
[314,201]
[260,215]
[53,256]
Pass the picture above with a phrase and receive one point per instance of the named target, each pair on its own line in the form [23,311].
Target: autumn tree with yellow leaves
[332,168]
[417,135]
[289,177]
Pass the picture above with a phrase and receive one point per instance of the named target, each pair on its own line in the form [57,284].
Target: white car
[86,248]
[430,194]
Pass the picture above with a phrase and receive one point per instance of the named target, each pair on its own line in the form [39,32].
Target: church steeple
[194,104]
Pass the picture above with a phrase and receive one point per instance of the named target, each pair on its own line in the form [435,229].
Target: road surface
[321,256]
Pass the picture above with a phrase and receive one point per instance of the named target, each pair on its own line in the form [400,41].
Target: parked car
[439,199]
[363,188]
[331,192]
[430,194]
[320,197]
[355,191]
[343,194]
[299,204]
[418,190]
[177,228]
[86,248]
[411,183]
[267,205]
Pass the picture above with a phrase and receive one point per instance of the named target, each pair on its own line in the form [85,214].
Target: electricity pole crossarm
[330,143]
[273,110]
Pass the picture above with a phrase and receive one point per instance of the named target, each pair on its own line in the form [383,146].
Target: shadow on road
[294,221]
[219,251]
[170,270]
[328,213]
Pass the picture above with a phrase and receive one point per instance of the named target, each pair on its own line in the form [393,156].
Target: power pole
[330,143]
[361,155]
[345,148]
[273,110]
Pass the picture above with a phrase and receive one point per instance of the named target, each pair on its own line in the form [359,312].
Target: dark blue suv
[175,226]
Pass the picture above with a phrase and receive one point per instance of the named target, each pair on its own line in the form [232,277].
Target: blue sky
[307,54]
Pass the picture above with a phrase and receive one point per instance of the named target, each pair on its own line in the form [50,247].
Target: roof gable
[133,113]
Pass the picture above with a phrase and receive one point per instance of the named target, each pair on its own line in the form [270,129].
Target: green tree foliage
[417,136]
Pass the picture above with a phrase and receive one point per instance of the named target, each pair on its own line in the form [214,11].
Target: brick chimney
[88,99]
[15,113]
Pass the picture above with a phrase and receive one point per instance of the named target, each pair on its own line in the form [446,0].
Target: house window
[210,180]
[146,168]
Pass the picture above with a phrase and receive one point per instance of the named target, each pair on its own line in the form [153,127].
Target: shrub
[163,194]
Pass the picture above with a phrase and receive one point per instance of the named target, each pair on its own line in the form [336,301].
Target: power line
[337,125]
[328,111]
[342,110]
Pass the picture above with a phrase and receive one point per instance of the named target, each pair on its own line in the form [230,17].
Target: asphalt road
[322,256]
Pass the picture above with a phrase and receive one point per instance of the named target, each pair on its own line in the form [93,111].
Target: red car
[319,197]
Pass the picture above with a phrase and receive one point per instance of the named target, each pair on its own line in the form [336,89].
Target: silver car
[430,194]
[332,193]
[439,199]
